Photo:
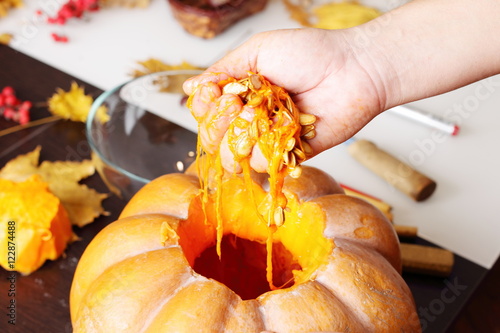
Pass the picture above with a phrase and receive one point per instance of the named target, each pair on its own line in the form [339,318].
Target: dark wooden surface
[42,303]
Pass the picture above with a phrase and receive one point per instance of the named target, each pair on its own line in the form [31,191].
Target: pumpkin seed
[270,103]
[299,154]
[244,145]
[307,148]
[255,81]
[289,115]
[306,119]
[286,160]
[290,144]
[305,129]
[254,130]
[235,88]
[241,123]
[309,135]
[255,100]
[292,161]
[289,105]
[295,172]
[279,216]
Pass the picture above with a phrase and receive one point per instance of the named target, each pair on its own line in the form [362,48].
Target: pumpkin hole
[242,266]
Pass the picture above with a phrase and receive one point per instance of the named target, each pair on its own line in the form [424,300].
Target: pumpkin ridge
[346,215]
[153,314]
[307,305]
[189,303]
[351,264]
[352,311]
[112,292]
[104,238]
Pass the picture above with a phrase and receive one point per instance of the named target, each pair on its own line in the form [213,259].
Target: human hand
[317,67]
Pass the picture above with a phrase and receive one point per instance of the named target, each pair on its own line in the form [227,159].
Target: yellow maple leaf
[74,105]
[5,38]
[172,83]
[5,5]
[82,203]
[153,65]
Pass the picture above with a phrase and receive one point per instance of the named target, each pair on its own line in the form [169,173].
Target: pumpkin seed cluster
[278,128]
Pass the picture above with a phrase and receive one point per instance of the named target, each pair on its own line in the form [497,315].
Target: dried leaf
[34,226]
[5,38]
[82,204]
[330,15]
[153,65]
[74,105]
[172,83]
[6,5]
[343,15]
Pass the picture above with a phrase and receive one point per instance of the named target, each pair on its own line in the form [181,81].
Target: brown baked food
[207,19]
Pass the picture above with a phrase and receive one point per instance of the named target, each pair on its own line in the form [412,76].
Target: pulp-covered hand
[317,67]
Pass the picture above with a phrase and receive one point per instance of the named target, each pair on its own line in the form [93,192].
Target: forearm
[428,47]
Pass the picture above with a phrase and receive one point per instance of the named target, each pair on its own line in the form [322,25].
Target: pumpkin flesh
[300,242]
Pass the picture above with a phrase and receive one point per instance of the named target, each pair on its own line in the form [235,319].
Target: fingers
[204,99]
[215,112]
[191,84]
[215,122]
[257,160]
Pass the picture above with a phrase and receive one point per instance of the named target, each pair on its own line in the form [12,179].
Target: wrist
[380,74]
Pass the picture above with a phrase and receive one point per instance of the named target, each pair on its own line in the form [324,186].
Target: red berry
[11,100]
[26,105]
[2,100]
[8,91]
[15,117]
[24,118]
[66,11]
[8,113]
[23,111]
[59,38]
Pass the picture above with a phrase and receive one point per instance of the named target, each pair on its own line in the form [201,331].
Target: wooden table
[42,298]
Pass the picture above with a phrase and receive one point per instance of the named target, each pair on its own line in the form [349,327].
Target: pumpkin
[335,262]
[34,226]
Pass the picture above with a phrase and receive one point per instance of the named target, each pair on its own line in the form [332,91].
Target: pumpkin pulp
[299,246]
[235,205]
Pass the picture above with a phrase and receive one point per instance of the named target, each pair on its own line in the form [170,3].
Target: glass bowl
[150,131]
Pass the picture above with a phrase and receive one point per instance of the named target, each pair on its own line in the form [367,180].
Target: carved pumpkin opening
[242,266]
[298,247]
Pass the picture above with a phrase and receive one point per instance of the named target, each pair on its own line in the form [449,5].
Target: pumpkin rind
[136,275]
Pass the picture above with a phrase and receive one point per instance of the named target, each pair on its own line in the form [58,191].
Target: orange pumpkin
[34,225]
[336,262]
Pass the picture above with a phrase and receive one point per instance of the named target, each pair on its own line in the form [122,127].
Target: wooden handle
[426,260]
[400,175]
[406,231]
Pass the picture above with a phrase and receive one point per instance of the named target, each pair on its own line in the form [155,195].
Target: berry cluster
[59,38]
[73,8]
[12,108]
